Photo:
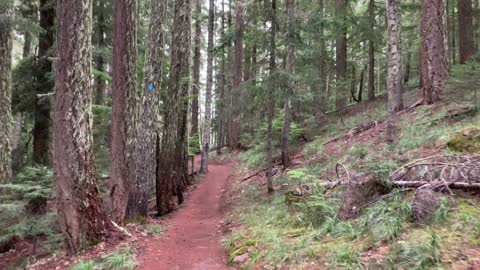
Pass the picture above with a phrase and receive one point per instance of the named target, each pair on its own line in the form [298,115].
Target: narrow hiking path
[192,237]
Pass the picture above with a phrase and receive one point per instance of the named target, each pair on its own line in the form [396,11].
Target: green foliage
[424,253]
[466,77]
[194,145]
[101,138]
[347,258]
[154,229]
[443,211]
[359,151]
[23,203]
[386,219]
[255,157]
[121,259]
[313,149]
[84,265]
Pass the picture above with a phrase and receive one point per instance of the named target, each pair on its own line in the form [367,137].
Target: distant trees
[6,43]
[434,58]
[79,207]
[465,30]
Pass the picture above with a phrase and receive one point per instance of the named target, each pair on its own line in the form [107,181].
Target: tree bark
[270,98]
[434,57]
[394,67]
[197,55]
[6,119]
[149,112]
[124,102]
[43,69]
[79,207]
[341,55]
[465,27]
[221,99]
[371,53]
[291,60]
[172,165]
[208,90]
[234,127]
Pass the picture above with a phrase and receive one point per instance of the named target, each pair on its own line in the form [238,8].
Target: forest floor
[192,239]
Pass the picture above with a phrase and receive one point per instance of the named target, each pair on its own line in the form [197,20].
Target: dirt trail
[192,238]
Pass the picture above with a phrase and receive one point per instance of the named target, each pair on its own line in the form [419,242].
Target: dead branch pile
[440,173]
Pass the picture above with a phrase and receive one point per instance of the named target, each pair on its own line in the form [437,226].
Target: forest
[239,134]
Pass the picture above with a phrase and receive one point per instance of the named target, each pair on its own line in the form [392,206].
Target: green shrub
[346,257]
[84,265]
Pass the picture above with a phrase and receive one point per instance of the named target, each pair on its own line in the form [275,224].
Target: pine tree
[148,134]
[43,70]
[341,54]
[371,52]
[270,97]
[79,210]
[6,42]
[197,57]
[172,166]
[394,68]
[221,89]
[124,101]
[465,26]
[208,90]
[434,58]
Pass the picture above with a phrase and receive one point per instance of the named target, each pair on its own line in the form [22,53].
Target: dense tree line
[269,66]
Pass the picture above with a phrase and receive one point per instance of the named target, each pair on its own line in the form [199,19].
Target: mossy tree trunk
[6,43]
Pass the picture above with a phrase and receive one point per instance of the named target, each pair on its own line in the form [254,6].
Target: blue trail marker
[150,87]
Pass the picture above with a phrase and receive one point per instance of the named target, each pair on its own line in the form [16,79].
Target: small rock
[241,258]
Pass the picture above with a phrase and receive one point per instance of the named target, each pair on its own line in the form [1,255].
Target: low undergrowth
[298,228]
[121,259]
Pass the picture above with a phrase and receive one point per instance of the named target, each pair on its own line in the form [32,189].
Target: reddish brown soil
[192,238]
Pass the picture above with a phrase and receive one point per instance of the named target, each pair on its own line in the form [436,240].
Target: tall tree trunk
[101,84]
[124,101]
[208,91]
[341,54]
[149,120]
[237,76]
[221,88]
[371,52]
[408,64]
[434,60]
[79,207]
[172,165]
[465,27]
[287,119]
[453,31]
[196,65]
[6,43]
[43,70]
[394,67]
[270,98]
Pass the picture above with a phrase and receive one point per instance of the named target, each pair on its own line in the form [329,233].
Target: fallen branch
[121,229]
[355,131]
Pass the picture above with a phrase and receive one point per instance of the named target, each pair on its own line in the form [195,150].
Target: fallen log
[423,184]
[355,131]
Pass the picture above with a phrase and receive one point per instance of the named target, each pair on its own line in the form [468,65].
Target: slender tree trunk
[465,26]
[434,55]
[234,128]
[196,65]
[123,104]
[149,120]
[371,52]
[6,43]
[453,31]
[270,99]
[394,68]
[287,119]
[101,84]
[208,91]
[79,207]
[42,120]
[408,65]
[222,84]
[341,55]
[360,86]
